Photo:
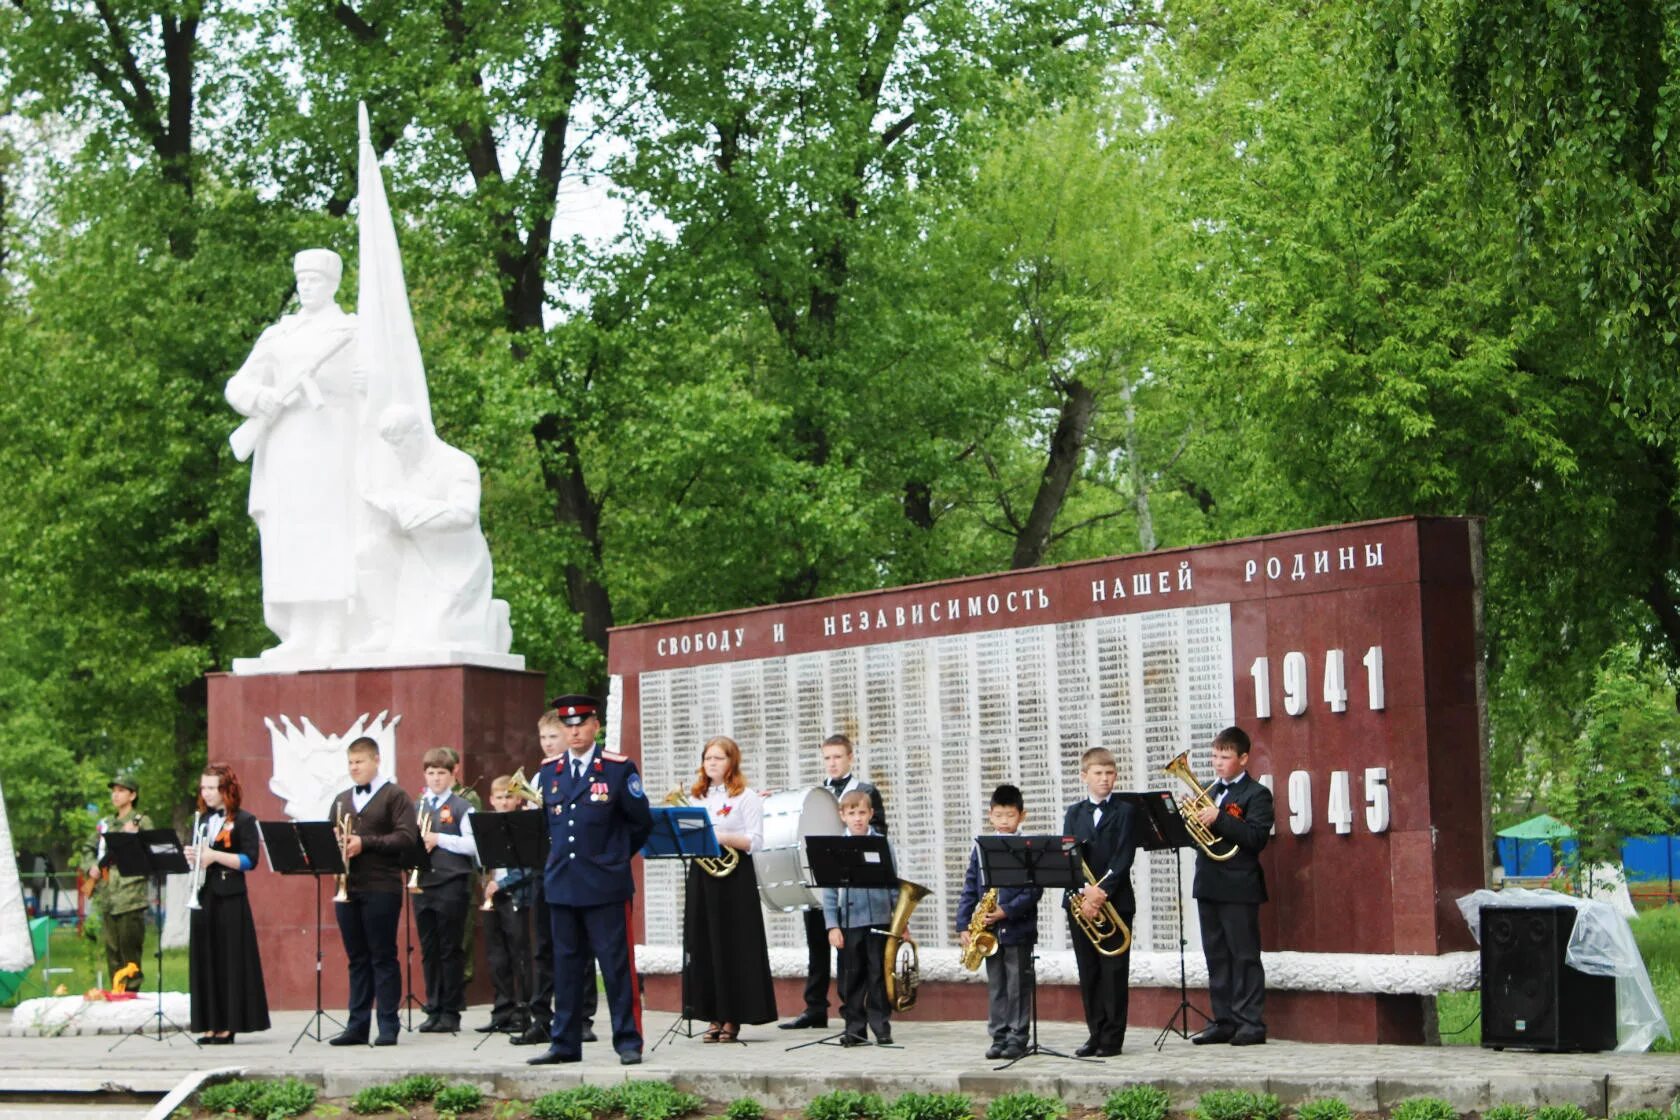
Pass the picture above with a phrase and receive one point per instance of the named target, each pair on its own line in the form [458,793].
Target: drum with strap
[784,874]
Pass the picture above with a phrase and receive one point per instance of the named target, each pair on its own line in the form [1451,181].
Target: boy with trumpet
[1103,828]
[441,901]
[381,832]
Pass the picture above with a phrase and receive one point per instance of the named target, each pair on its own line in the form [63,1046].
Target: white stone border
[1385,974]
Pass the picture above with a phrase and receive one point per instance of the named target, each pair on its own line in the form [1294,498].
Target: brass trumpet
[414,886]
[1105,925]
[1199,799]
[342,826]
[718,867]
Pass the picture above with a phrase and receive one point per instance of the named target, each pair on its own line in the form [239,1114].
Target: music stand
[848,861]
[151,854]
[513,840]
[1160,827]
[305,848]
[1045,862]
[416,858]
[681,832]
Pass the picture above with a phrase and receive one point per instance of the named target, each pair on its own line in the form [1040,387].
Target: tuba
[982,942]
[902,973]
[1107,924]
[1198,800]
[720,866]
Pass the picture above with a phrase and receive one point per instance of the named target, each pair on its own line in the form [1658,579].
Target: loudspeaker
[1531,999]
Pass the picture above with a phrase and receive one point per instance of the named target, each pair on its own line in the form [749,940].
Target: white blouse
[740,815]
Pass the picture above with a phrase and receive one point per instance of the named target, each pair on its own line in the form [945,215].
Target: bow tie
[365,789]
[838,783]
[1103,804]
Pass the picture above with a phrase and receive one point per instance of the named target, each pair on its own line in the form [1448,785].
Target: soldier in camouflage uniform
[119,899]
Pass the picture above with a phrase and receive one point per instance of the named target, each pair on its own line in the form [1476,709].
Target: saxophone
[982,942]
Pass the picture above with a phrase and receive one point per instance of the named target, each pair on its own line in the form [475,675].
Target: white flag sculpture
[17,952]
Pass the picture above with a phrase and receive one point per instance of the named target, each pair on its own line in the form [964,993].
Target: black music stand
[152,854]
[681,832]
[848,861]
[416,858]
[306,848]
[513,840]
[1160,827]
[1045,862]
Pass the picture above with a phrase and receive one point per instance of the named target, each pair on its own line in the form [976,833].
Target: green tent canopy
[1542,827]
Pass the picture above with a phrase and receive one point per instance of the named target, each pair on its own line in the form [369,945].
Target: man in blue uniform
[598,818]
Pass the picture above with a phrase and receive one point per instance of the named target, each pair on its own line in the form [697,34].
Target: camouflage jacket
[117,893]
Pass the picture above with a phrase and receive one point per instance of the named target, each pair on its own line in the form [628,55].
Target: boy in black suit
[1229,893]
[1104,829]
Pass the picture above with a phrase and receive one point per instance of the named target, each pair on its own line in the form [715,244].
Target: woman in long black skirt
[227,978]
[726,979]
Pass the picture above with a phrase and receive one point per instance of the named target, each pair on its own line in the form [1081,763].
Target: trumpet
[982,942]
[1199,799]
[1105,925]
[201,842]
[343,826]
[414,886]
[718,867]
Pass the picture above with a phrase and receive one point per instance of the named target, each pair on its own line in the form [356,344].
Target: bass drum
[784,874]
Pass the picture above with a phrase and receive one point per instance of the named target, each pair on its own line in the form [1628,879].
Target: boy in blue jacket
[1014,922]
[856,917]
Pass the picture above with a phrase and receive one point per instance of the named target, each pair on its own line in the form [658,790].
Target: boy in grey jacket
[856,917]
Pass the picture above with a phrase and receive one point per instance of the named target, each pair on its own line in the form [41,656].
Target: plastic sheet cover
[1601,945]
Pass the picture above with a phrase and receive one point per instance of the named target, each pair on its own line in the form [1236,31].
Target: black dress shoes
[995,1051]
[589,1034]
[1012,1051]
[1088,1050]
[805,1021]
[853,1040]
[385,1040]
[534,1035]
[1214,1034]
[432,1025]
[347,1039]
[1108,1051]
[1249,1038]
[630,1058]
[553,1056]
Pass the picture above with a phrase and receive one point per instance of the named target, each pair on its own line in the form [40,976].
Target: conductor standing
[598,818]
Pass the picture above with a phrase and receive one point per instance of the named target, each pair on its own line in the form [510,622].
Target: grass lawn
[65,949]
[1658,934]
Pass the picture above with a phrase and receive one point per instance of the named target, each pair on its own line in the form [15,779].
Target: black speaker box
[1531,1000]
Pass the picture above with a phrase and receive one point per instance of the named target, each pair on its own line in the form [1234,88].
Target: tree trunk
[1073,426]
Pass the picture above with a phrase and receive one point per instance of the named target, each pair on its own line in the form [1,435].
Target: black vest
[446,865]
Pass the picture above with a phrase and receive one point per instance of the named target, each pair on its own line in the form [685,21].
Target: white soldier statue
[299,390]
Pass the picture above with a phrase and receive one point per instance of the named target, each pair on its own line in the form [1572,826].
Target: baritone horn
[520,788]
[1105,926]
[1198,800]
[902,964]
[719,866]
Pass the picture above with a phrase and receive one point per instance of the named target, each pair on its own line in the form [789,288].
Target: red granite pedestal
[489,715]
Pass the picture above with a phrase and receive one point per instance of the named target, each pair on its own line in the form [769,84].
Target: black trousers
[507,946]
[816,966]
[368,926]
[1236,979]
[863,982]
[440,912]
[1105,989]
[542,975]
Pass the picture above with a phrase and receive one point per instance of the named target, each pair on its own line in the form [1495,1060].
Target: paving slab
[929,1057]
